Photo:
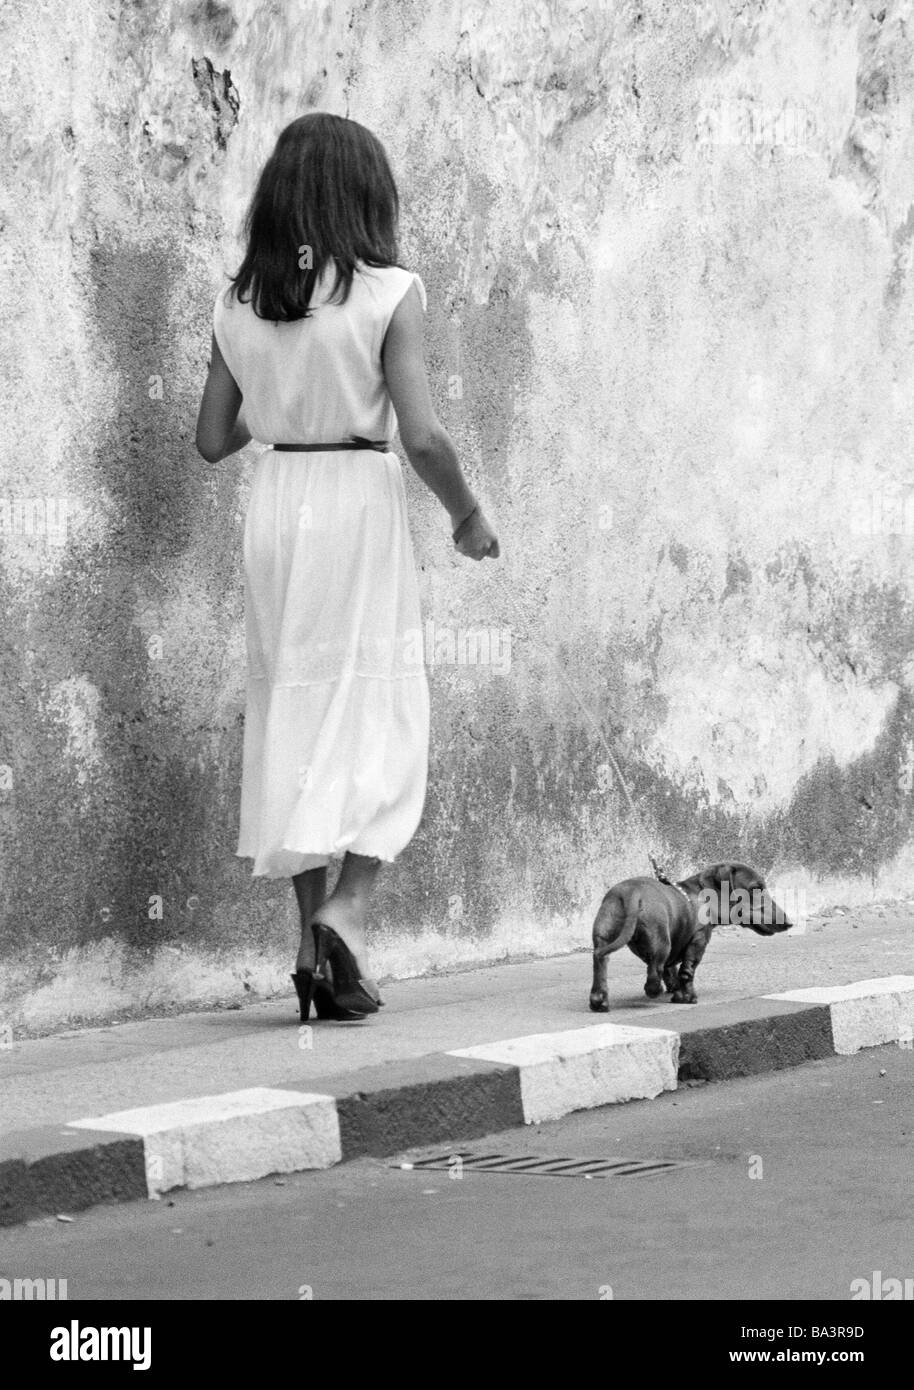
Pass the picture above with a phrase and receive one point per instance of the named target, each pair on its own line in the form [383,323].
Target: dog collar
[662,878]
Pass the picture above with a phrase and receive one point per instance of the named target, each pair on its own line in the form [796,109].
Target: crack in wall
[221,96]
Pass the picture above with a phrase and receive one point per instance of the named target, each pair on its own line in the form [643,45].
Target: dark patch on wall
[849,821]
[159,814]
[873,89]
[881,56]
[41,836]
[220,96]
[679,556]
[854,820]
[859,165]
[87,859]
[790,567]
[314,90]
[142,460]
[739,576]
[865,627]
[217,19]
[901,254]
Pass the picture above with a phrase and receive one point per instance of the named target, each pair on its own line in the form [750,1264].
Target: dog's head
[737,893]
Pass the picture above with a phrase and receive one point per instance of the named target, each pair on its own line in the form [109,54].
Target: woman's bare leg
[346,910]
[310,890]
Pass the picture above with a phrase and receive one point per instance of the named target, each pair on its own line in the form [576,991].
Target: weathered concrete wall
[668,253]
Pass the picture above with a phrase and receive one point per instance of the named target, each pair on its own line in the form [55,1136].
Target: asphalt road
[829,1145]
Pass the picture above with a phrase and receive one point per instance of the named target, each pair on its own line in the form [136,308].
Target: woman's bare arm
[428,445]
[219,430]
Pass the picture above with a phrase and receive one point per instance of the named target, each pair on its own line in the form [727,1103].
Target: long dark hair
[326,187]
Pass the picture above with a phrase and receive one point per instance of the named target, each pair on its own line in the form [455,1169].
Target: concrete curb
[864,1014]
[444,1098]
[585,1067]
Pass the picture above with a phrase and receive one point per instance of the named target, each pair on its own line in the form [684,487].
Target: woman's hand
[478,539]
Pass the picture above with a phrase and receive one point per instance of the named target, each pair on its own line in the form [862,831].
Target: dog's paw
[683,996]
[599,1004]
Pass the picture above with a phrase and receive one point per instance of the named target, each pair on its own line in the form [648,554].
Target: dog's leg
[609,935]
[599,993]
[656,967]
[685,991]
[670,977]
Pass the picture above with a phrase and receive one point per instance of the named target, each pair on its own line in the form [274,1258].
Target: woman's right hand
[479,540]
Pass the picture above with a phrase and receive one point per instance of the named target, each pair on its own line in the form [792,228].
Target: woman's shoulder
[389,283]
[227,306]
[227,300]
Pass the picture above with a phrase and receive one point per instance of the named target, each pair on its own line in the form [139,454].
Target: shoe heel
[305,982]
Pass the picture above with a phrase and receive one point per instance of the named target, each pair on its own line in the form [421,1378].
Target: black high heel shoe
[348,990]
[313,989]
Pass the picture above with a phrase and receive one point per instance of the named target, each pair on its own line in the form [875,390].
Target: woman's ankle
[347,919]
[306,954]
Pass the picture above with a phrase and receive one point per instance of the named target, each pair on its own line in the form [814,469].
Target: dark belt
[380,446]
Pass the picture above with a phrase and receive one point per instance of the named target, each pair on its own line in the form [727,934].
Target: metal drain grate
[548,1167]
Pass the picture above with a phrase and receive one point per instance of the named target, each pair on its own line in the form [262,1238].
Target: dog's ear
[710,882]
[732,872]
[717,874]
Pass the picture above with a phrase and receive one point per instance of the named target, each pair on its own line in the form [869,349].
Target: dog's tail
[615,923]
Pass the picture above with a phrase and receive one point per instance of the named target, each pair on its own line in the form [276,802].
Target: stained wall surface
[668,253]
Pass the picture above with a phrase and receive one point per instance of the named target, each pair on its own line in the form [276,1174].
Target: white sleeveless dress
[337,715]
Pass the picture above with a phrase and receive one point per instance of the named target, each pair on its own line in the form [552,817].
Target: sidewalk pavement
[136,1109]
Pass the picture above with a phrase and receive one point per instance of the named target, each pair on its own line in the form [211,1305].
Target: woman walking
[320,335]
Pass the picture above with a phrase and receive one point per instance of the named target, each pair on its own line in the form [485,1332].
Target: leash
[356,442]
[595,725]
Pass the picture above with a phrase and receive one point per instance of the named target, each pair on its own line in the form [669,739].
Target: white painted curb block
[229,1138]
[864,1014]
[585,1067]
